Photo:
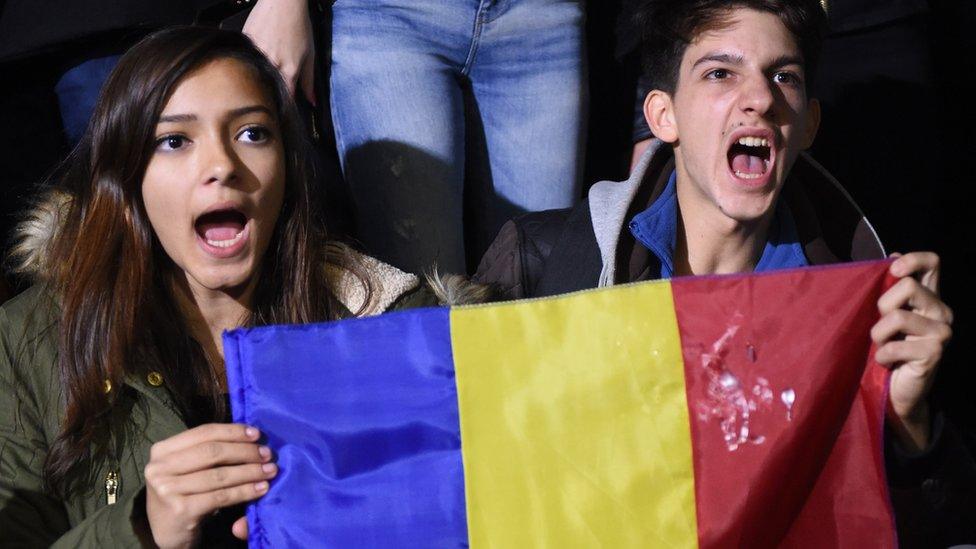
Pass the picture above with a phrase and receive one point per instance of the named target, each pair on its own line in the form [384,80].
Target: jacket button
[155,379]
[108,386]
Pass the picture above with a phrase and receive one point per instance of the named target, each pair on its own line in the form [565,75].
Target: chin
[225,280]
[748,205]
[747,211]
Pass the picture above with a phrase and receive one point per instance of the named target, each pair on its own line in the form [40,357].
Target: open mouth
[221,228]
[749,157]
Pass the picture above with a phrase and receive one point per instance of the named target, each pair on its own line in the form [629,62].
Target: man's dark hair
[669,26]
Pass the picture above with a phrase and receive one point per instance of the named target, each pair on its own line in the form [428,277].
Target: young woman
[185,211]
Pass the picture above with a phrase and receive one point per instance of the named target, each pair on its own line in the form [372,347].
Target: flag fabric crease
[718,411]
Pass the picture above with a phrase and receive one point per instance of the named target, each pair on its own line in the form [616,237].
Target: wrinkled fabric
[818,479]
[741,410]
[574,422]
[362,417]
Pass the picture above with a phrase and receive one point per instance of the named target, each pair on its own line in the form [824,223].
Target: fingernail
[261,486]
[264,451]
[269,468]
[251,432]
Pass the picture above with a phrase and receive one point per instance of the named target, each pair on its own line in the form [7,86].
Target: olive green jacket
[31,408]
[100,513]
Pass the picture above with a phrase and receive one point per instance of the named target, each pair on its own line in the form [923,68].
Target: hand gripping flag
[720,411]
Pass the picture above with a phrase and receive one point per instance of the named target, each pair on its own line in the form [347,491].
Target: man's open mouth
[221,228]
[749,157]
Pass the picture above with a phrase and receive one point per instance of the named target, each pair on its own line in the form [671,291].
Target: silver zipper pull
[111,487]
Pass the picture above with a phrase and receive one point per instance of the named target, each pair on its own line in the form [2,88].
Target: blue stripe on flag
[366,436]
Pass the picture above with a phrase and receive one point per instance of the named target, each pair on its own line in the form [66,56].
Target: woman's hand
[914,329]
[283,31]
[197,472]
[239,528]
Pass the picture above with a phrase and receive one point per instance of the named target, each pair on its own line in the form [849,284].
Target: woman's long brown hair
[112,277]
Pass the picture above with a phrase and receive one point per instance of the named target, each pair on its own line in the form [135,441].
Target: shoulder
[373,287]
[439,290]
[518,254]
[33,305]
[29,320]
[421,296]
[28,339]
[544,227]
[366,286]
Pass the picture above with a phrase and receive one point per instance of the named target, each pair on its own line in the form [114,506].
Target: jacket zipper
[111,487]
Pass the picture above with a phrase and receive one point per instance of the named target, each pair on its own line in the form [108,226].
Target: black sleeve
[501,266]
[934,492]
[516,261]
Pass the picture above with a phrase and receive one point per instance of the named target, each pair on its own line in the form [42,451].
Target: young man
[725,188]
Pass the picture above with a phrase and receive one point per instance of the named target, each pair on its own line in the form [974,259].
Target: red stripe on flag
[786,419]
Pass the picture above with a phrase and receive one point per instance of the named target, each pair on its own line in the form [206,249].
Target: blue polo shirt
[657,229]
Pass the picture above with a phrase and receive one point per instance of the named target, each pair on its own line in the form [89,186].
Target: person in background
[421,92]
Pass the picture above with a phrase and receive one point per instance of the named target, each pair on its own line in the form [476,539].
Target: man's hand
[283,31]
[197,472]
[914,328]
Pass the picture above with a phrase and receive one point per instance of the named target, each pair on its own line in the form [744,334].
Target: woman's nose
[220,162]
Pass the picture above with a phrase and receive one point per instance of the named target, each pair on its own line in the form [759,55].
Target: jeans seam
[479,21]
[337,130]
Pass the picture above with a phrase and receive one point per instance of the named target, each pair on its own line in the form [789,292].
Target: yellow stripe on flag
[574,423]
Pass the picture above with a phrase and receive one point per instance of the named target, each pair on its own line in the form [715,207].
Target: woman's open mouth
[750,157]
[222,233]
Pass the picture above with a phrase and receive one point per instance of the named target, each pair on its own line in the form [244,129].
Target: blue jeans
[405,73]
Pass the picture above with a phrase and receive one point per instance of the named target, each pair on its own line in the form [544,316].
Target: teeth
[226,243]
[754,141]
[748,175]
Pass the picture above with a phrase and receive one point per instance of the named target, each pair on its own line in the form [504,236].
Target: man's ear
[659,113]
[812,123]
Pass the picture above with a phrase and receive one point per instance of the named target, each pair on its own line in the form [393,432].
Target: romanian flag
[725,411]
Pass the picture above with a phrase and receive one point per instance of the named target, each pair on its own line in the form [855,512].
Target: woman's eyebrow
[177,118]
[241,111]
[233,113]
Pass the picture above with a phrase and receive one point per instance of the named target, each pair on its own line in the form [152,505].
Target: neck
[708,242]
[209,313]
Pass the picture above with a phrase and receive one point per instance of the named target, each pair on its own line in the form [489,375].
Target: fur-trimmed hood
[30,259]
